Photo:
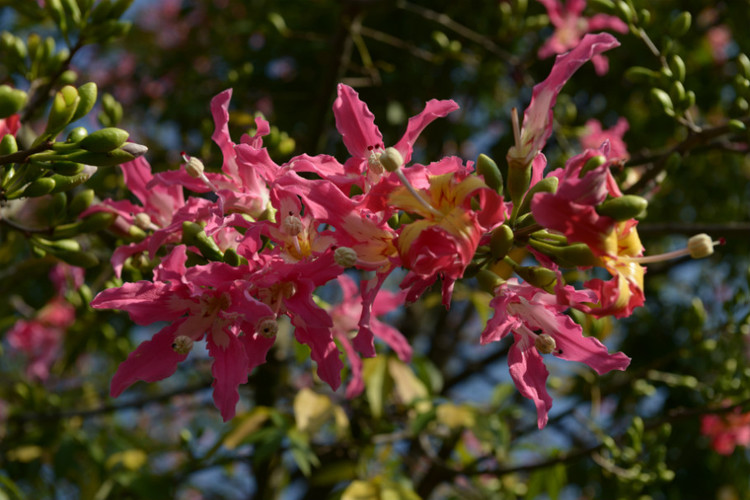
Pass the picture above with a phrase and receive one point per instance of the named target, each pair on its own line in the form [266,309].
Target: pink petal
[151,361]
[355,122]
[220,112]
[530,376]
[229,370]
[313,328]
[433,109]
[575,347]
[537,120]
[145,302]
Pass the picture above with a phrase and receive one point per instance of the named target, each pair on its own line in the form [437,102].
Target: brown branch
[459,29]
[110,408]
[727,229]
[659,162]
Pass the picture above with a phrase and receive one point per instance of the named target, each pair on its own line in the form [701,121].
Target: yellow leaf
[130,459]
[361,490]
[25,453]
[455,416]
[312,410]
[408,387]
[251,422]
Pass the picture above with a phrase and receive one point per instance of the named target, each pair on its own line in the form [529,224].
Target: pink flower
[363,139]
[41,338]
[727,431]
[537,119]
[287,288]
[443,240]
[539,324]
[570,26]
[202,301]
[571,210]
[595,137]
[345,317]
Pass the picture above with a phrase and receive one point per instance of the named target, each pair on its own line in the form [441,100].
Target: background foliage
[451,424]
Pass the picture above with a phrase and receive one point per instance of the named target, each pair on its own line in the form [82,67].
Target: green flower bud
[623,208]
[63,108]
[677,66]
[578,255]
[97,221]
[108,159]
[743,63]
[626,13]
[104,140]
[80,202]
[68,77]
[87,92]
[591,164]
[8,145]
[736,125]
[232,258]
[501,241]
[547,185]
[540,277]
[11,100]
[488,169]
[68,182]
[681,24]
[111,111]
[663,100]
[77,134]
[677,91]
[57,207]
[73,11]
[194,235]
[65,167]
[100,12]
[39,187]
[639,74]
[488,281]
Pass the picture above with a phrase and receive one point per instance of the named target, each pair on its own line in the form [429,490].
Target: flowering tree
[342,254]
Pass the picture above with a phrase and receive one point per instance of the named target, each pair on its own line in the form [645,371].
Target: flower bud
[489,281]
[662,99]
[77,134]
[547,185]
[65,167]
[540,277]
[623,208]
[488,169]
[194,235]
[39,187]
[268,328]
[182,344]
[104,140]
[345,256]
[591,164]
[700,245]
[87,92]
[577,254]
[63,108]
[545,343]
[134,149]
[501,241]
[391,159]
[80,202]
[8,145]
[681,24]
[11,100]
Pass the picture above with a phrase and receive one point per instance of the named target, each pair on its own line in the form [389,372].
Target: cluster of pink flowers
[264,237]
[40,338]
[727,431]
